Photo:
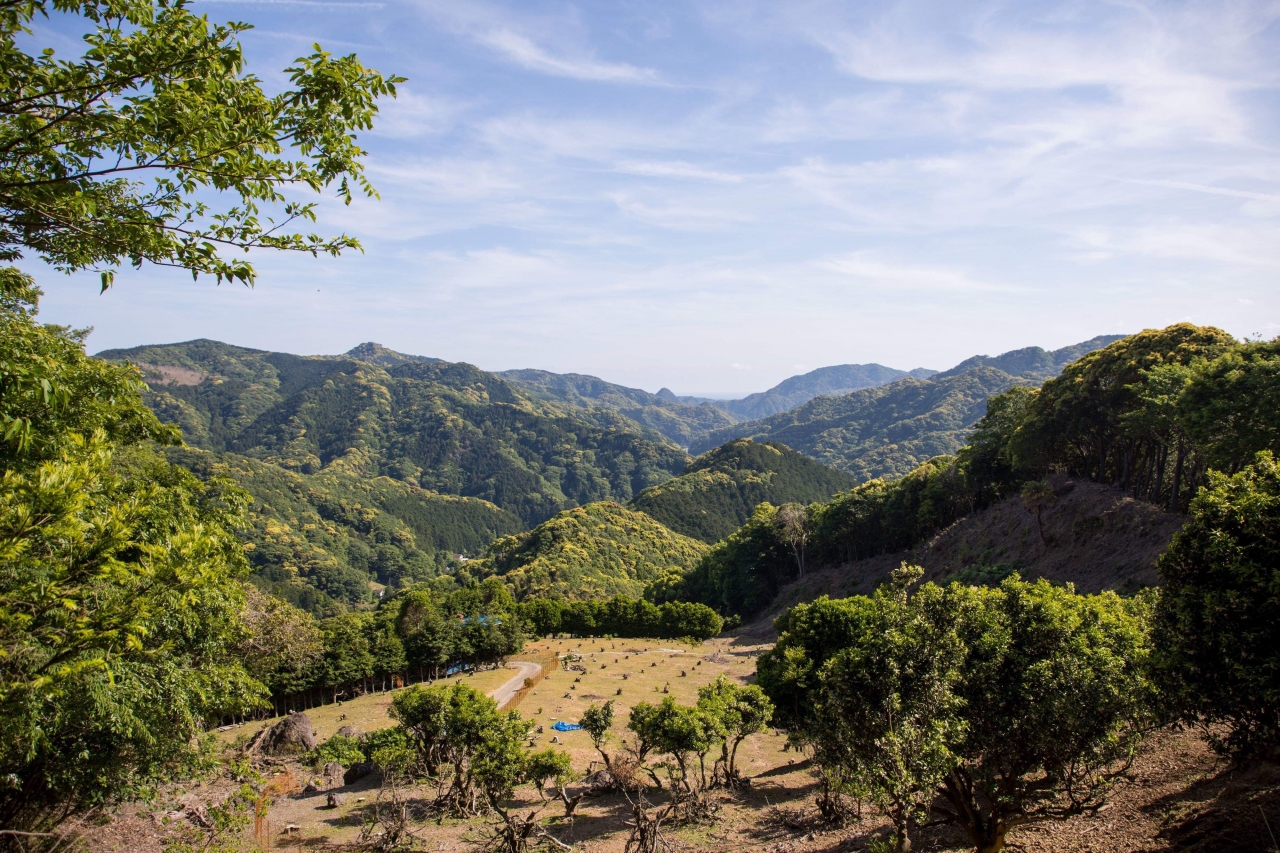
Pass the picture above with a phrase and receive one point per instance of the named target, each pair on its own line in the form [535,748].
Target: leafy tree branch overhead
[117,155]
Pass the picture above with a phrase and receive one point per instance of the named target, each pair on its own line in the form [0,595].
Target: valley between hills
[697,614]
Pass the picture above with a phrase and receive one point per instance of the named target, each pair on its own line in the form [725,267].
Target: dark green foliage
[995,707]
[719,490]
[1113,417]
[877,432]
[591,551]
[1218,619]
[743,573]
[678,421]
[477,624]
[1228,407]
[621,617]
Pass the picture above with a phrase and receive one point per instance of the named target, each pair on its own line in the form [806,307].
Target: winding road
[503,694]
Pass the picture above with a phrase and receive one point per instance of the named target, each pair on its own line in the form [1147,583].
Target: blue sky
[713,196]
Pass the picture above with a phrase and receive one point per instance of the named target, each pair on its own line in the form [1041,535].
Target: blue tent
[562,726]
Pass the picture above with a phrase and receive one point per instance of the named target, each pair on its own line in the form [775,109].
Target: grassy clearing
[367,713]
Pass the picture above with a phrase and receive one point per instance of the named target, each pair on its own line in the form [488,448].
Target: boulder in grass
[357,772]
[348,731]
[291,736]
[334,800]
[333,772]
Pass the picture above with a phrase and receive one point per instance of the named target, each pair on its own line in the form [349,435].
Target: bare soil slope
[1096,537]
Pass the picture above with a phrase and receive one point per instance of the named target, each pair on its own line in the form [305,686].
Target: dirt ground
[1181,797]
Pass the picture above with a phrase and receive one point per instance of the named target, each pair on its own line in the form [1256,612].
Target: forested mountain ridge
[879,432]
[825,381]
[1033,362]
[888,430]
[719,490]
[678,421]
[593,551]
[444,427]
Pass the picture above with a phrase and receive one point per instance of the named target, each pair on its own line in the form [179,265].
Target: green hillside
[678,421]
[588,552]
[717,493]
[442,427]
[1033,362]
[317,539]
[879,432]
[889,430]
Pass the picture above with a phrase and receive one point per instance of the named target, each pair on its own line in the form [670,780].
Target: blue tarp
[562,726]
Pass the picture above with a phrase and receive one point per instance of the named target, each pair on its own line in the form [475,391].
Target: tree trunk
[1177,478]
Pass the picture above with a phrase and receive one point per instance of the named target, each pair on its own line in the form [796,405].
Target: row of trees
[428,631]
[621,616]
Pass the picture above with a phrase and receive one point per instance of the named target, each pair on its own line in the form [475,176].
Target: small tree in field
[462,732]
[1217,625]
[741,711]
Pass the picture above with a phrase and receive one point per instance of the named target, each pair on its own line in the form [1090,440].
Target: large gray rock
[290,736]
[357,772]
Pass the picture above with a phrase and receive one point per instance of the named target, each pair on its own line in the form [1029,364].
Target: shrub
[1217,625]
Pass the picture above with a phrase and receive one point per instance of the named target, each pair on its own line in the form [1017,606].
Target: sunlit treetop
[156,146]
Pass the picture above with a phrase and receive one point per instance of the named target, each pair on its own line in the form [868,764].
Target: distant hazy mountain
[678,421]
[1033,362]
[829,381]
[888,430]
[879,432]
[719,490]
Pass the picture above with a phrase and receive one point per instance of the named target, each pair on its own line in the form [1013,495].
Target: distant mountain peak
[375,353]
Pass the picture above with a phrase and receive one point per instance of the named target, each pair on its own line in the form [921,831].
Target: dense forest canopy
[443,427]
[721,488]
[595,551]
[321,540]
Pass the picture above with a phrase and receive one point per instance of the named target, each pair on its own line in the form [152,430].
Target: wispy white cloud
[524,51]
[679,169]
[495,29]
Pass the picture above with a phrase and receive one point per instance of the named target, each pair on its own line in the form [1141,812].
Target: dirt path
[528,669]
